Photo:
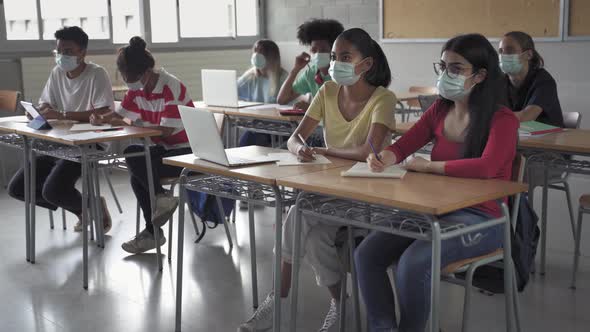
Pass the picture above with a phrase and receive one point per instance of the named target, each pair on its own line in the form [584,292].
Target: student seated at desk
[532,91]
[474,137]
[357,108]
[319,35]
[75,90]
[261,83]
[152,101]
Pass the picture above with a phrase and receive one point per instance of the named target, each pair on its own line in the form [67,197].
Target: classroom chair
[559,180]
[470,265]
[423,90]
[584,208]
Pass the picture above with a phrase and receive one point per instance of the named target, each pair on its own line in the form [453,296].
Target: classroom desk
[545,152]
[255,184]
[264,121]
[408,207]
[56,143]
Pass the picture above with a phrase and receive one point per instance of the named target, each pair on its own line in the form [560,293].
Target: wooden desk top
[9,124]
[406,96]
[261,173]
[568,141]
[263,114]
[573,141]
[422,193]
[62,128]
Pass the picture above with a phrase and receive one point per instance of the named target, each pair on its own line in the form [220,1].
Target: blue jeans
[380,250]
[253,138]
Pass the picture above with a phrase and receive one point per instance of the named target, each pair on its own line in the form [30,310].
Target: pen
[304,142]
[374,151]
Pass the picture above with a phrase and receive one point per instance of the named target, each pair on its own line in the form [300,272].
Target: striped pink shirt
[159,108]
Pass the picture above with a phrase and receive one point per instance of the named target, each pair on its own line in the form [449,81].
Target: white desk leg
[150,178]
[85,215]
[253,267]
[296,262]
[32,205]
[180,251]
[278,258]
[27,190]
[435,282]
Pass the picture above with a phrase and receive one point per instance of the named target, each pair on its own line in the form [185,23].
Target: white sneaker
[165,207]
[262,318]
[331,317]
[143,242]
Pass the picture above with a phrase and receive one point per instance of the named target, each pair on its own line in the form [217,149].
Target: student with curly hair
[319,35]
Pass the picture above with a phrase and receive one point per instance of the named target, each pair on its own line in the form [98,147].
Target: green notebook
[536,128]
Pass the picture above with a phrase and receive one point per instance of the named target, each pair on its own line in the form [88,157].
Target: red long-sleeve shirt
[494,163]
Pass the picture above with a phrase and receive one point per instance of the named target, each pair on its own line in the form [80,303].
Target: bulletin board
[438,19]
[579,18]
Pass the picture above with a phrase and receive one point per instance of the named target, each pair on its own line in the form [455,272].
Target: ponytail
[379,74]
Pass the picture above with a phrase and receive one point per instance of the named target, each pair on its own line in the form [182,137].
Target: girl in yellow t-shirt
[356,108]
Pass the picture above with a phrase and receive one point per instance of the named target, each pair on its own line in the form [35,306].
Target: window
[166,24]
[91,16]
[126,16]
[21,19]
[164,21]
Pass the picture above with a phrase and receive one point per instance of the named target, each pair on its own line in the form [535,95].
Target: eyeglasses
[453,70]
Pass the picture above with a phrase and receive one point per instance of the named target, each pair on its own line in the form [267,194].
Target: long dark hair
[379,74]
[525,41]
[135,59]
[486,97]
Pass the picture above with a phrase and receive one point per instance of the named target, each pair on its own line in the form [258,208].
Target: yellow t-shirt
[339,133]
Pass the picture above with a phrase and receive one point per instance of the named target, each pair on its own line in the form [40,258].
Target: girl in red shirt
[475,137]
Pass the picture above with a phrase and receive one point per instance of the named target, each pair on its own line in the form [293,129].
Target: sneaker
[143,242]
[165,207]
[262,318]
[331,317]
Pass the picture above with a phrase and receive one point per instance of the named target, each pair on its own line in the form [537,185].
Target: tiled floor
[128,294]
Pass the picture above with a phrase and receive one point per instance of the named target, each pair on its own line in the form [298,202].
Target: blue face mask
[510,63]
[67,63]
[258,60]
[320,60]
[452,88]
[343,73]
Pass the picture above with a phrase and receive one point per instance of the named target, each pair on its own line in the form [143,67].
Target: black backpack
[524,248]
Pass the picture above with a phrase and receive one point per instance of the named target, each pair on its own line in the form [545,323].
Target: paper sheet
[89,127]
[83,136]
[362,170]
[289,159]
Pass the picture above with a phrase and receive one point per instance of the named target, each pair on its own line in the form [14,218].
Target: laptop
[38,122]
[220,88]
[206,142]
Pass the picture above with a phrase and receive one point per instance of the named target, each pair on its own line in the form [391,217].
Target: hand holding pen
[304,153]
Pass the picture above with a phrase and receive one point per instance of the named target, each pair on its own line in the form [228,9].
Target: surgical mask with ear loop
[343,73]
[511,63]
[66,63]
[453,88]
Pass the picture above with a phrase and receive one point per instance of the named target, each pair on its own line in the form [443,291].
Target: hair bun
[137,43]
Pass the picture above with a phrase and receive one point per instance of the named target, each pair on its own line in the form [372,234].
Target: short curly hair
[319,29]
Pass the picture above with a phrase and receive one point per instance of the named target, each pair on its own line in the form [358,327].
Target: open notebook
[362,170]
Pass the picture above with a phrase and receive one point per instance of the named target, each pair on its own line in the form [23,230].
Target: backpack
[205,206]
[524,248]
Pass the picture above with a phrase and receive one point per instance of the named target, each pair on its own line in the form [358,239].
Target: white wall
[185,65]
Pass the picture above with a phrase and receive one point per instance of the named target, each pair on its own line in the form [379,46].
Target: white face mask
[258,60]
[66,63]
[138,85]
[320,60]
[452,88]
[343,73]
[510,63]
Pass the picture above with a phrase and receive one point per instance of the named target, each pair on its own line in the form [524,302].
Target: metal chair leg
[63,219]
[568,196]
[342,320]
[110,184]
[467,297]
[577,248]
[137,217]
[227,233]
[50,219]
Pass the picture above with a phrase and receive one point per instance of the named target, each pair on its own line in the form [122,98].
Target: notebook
[533,128]
[289,159]
[362,170]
